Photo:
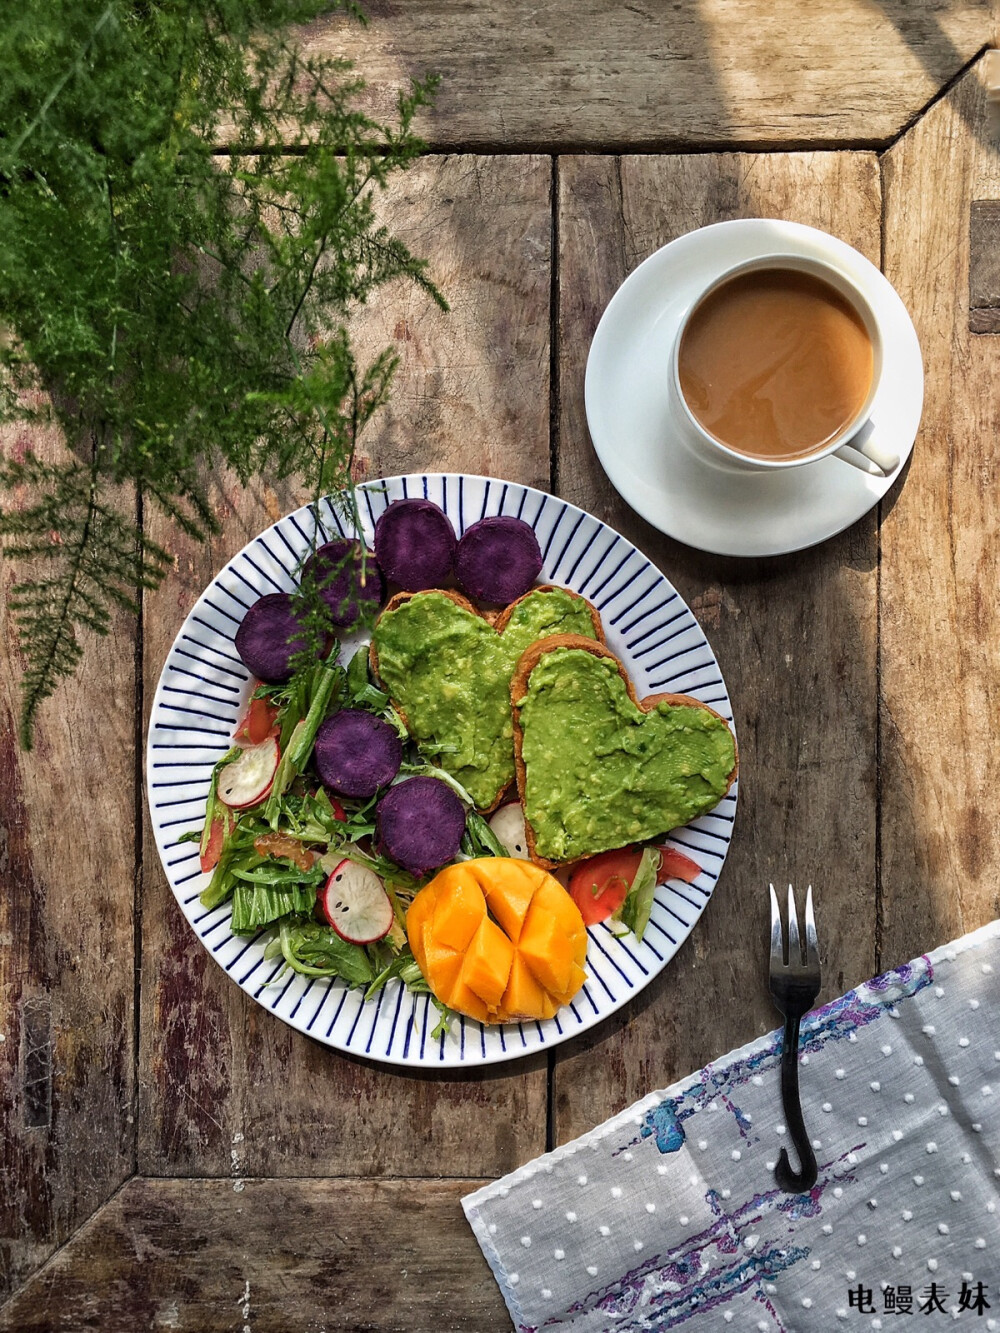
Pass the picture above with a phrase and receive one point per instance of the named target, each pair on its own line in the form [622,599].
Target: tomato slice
[211,847]
[257,723]
[600,884]
[675,865]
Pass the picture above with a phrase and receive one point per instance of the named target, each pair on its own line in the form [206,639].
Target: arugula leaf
[393,876]
[293,710]
[316,950]
[634,911]
[310,818]
[276,873]
[482,840]
[446,1017]
[406,968]
[278,695]
[364,694]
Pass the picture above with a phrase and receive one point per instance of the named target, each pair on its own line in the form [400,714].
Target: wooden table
[171,1156]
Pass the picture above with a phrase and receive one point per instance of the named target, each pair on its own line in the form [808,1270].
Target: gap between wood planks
[879,900]
[139,837]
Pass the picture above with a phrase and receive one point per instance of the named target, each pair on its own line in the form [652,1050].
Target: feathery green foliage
[175,308]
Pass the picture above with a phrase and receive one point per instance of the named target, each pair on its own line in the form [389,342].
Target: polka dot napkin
[668,1214]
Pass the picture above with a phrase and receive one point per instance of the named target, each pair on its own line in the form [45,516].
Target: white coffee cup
[853,443]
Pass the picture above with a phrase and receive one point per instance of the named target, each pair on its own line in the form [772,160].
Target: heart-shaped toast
[598,768]
[447,669]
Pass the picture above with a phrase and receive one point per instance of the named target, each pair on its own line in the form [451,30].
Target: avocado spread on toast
[601,772]
[448,671]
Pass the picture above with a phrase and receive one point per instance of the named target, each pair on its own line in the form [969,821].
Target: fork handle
[791,1181]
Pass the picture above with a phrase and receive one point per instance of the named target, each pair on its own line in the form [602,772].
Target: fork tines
[794,957]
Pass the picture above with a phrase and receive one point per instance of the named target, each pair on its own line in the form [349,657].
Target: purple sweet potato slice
[356,753]
[269,637]
[415,544]
[498,559]
[347,581]
[419,823]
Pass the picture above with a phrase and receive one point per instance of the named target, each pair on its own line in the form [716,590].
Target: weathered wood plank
[985,321]
[67,884]
[620,75]
[795,637]
[941,551]
[473,388]
[197,1256]
[224,1086]
[984,254]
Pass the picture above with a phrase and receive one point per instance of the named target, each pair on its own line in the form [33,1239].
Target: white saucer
[635,425]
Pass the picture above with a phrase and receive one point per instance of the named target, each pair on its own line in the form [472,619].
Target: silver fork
[794,986]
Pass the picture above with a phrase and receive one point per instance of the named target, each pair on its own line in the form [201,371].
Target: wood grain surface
[796,638]
[225,1087]
[984,254]
[940,647]
[865,674]
[273,1256]
[472,394]
[614,74]
[67,887]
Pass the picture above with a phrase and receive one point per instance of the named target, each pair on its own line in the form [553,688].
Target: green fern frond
[87,558]
[173,309]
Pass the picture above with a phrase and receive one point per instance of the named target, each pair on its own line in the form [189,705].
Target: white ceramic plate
[202,693]
[636,427]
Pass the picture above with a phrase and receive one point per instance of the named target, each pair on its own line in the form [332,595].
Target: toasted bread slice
[504,618]
[499,621]
[398,600]
[518,688]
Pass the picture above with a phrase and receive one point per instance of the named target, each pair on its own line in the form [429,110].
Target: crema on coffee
[775,363]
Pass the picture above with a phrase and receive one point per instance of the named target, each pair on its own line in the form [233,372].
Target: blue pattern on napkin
[668,1212]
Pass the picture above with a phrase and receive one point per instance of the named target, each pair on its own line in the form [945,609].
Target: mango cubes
[498,939]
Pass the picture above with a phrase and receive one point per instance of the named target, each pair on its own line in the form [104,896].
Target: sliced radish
[248,779]
[355,904]
[507,826]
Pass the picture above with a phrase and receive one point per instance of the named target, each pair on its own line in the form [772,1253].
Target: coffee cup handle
[869,457]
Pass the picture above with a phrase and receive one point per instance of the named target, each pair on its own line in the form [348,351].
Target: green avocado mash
[602,773]
[449,672]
